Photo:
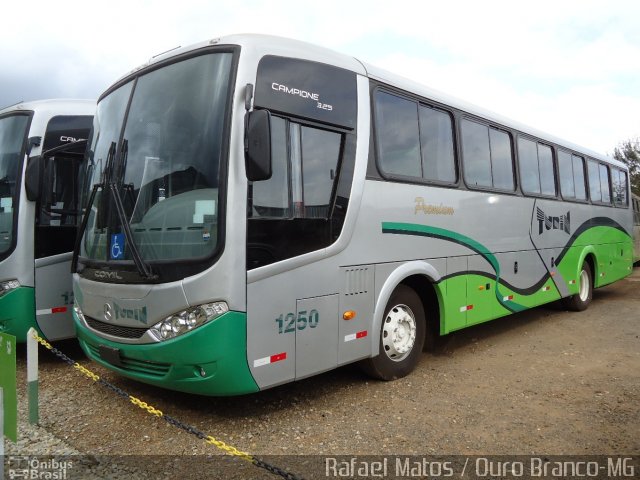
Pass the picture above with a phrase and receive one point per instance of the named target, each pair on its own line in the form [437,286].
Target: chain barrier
[228,449]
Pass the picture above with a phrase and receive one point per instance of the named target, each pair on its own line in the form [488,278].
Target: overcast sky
[569,67]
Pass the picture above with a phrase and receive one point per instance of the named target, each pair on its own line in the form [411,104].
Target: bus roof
[260,45]
[55,106]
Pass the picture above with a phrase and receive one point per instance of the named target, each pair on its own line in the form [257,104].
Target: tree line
[628,152]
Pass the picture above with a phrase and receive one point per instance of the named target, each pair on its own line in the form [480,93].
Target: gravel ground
[543,382]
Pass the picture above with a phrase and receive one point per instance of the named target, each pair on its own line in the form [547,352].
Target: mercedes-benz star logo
[108,312]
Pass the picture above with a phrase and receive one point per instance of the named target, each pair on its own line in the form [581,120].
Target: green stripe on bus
[449,235]
[610,244]
[18,313]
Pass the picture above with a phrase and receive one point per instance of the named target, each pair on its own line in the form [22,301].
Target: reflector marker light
[572,282]
[466,308]
[269,360]
[349,315]
[48,311]
[546,289]
[507,298]
[355,336]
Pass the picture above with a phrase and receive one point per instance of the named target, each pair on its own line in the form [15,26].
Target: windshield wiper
[83,227]
[107,179]
[66,148]
[141,265]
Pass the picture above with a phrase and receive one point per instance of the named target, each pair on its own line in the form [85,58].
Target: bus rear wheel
[581,300]
[402,336]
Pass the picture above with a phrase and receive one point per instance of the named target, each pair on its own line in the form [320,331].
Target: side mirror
[257,150]
[33,178]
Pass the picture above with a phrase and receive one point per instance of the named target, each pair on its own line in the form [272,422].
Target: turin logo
[562,222]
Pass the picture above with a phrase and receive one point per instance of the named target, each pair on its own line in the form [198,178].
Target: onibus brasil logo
[547,222]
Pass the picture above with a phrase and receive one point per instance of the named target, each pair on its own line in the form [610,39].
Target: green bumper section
[210,360]
[18,313]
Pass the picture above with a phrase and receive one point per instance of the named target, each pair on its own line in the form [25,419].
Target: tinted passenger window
[604,183]
[414,140]
[476,154]
[619,183]
[487,156]
[303,174]
[594,182]
[436,138]
[398,137]
[320,151]
[302,207]
[547,173]
[578,177]
[565,168]
[536,168]
[501,159]
[528,161]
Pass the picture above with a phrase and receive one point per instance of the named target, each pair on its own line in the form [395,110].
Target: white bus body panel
[50,276]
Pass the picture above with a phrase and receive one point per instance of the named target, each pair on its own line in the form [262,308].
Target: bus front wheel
[581,300]
[402,336]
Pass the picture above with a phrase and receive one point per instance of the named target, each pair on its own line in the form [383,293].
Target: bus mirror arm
[248,96]
[257,145]
[33,178]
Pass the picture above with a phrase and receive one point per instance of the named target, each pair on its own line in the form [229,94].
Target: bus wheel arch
[402,334]
[404,304]
[586,280]
[426,290]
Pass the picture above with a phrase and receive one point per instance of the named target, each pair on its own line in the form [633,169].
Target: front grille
[115,330]
[151,369]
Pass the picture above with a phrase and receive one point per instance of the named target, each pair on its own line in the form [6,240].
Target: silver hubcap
[584,286]
[399,333]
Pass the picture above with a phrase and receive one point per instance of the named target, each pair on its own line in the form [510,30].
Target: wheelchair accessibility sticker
[117,246]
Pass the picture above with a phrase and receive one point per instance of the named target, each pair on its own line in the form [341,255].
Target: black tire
[581,300]
[393,361]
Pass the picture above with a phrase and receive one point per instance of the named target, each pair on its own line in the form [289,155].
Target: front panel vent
[357,281]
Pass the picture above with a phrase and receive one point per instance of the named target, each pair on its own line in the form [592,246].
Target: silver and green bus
[40,156]
[261,210]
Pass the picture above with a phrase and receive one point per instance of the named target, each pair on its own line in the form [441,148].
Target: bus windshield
[156,149]
[13,131]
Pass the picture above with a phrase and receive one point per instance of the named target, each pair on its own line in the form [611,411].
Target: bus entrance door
[54,296]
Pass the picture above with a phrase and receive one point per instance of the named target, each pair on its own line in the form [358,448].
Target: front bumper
[210,360]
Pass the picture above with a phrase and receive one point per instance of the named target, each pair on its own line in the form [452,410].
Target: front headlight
[76,308]
[187,320]
[7,286]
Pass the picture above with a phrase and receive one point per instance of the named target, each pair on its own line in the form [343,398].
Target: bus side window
[536,168]
[487,156]
[619,185]
[436,140]
[595,183]
[304,168]
[292,212]
[578,177]
[476,154]
[57,211]
[320,151]
[604,183]
[58,203]
[397,135]
[565,170]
